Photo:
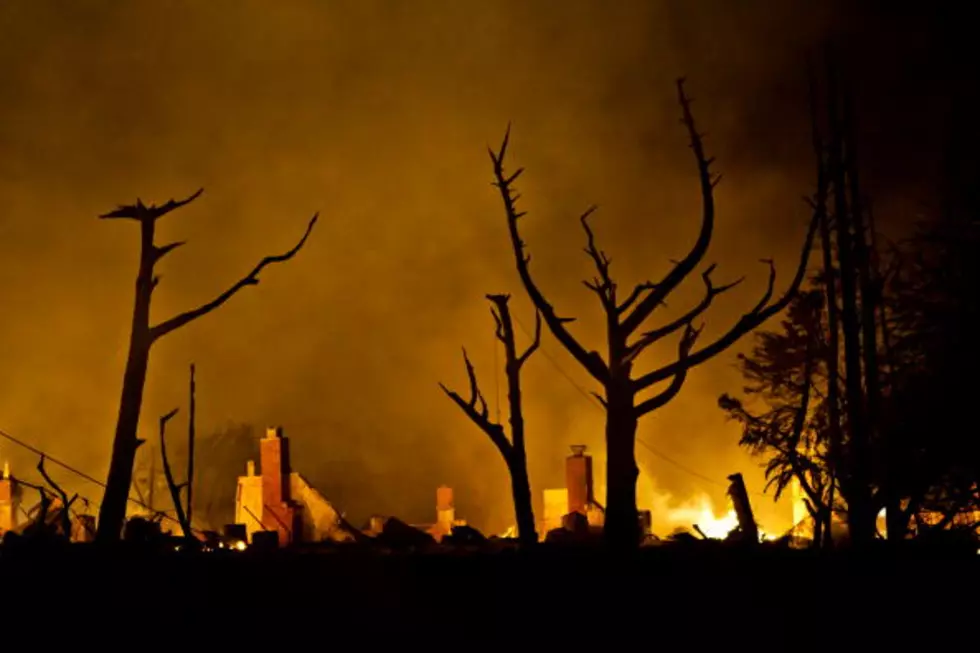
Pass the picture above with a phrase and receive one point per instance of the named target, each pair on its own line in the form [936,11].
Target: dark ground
[551,596]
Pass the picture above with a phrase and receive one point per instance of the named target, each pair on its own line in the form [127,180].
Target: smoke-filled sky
[378,114]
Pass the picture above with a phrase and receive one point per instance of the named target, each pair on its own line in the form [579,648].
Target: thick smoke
[378,115]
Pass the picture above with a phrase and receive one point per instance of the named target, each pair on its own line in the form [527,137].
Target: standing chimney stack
[578,480]
[279,513]
[445,508]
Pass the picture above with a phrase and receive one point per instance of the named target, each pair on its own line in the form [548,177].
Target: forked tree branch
[602,285]
[711,291]
[646,286]
[749,321]
[251,279]
[533,347]
[168,474]
[505,330]
[590,360]
[684,267]
[683,350]
[142,213]
[66,503]
[478,412]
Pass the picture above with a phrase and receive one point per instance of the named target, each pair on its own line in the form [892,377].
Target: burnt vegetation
[856,392]
[851,399]
[626,394]
[513,449]
[142,337]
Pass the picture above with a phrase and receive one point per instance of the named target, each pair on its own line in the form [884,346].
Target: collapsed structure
[282,501]
[574,507]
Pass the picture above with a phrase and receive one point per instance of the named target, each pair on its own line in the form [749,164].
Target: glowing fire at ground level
[701,513]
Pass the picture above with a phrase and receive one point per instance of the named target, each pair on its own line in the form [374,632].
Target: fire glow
[701,513]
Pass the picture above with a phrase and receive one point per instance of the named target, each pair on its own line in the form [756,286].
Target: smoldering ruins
[711,266]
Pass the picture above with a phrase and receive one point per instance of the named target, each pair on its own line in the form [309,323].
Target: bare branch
[711,291]
[590,360]
[640,288]
[168,474]
[478,412]
[762,312]
[603,285]
[251,279]
[684,267]
[535,344]
[158,253]
[65,502]
[683,350]
[141,212]
[602,400]
[499,331]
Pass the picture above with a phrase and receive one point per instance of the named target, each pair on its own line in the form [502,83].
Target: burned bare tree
[175,488]
[142,337]
[66,503]
[512,450]
[625,317]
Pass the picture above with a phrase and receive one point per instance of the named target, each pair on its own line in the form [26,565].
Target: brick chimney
[445,508]
[9,501]
[279,513]
[578,480]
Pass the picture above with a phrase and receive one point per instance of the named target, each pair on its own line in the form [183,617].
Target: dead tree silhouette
[175,488]
[112,513]
[513,450]
[191,437]
[66,503]
[624,319]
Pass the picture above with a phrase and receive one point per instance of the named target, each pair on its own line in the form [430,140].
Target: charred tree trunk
[870,299]
[513,450]
[861,513]
[624,399]
[832,350]
[622,524]
[520,487]
[112,513]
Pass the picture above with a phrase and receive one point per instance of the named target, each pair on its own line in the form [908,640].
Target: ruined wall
[555,507]
[248,501]
[320,520]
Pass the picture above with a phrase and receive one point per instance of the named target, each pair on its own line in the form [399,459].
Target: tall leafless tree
[112,513]
[625,318]
[513,450]
[853,290]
